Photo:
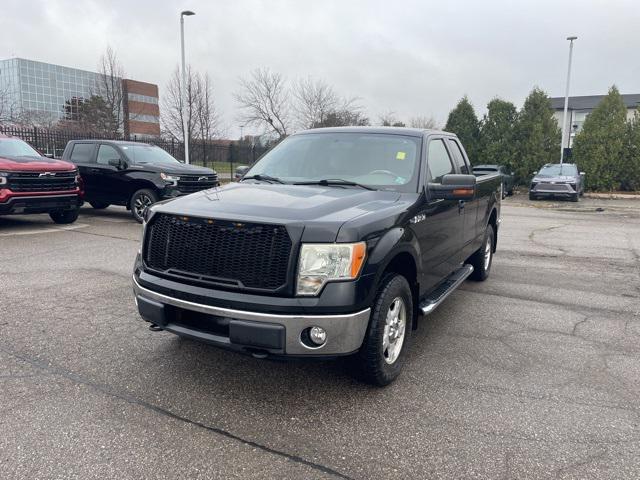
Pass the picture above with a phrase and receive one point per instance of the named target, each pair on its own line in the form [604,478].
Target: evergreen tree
[536,136]
[599,148]
[629,174]
[496,134]
[463,122]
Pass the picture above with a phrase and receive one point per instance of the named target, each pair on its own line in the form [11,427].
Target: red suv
[31,183]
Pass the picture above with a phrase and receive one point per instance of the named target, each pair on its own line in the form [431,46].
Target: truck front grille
[195,183]
[41,182]
[231,254]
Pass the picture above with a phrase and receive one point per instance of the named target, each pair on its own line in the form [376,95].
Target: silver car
[557,180]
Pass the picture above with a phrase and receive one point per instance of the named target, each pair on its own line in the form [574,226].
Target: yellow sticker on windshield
[401,155]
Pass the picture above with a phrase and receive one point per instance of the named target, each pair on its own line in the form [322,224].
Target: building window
[136,97]
[136,117]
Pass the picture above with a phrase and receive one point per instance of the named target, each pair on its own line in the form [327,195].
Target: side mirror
[534,173]
[49,155]
[453,187]
[582,174]
[118,163]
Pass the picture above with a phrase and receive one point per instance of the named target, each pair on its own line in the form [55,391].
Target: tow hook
[155,328]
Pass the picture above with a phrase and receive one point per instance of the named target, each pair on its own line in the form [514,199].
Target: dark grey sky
[410,57]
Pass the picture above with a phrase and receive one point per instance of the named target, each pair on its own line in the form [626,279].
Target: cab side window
[438,161]
[106,153]
[82,153]
[458,156]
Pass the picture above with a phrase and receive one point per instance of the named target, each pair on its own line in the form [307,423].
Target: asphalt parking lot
[534,373]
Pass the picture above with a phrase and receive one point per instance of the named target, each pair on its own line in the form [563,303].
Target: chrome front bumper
[345,332]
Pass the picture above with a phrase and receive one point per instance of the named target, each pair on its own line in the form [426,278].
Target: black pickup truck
[133,174]
[331,245]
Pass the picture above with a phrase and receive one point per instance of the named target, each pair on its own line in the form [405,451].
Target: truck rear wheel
[99,205]
[64,217]
[140,201]
[385,346]
[483,258]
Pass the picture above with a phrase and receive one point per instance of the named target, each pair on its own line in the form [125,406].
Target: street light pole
[566,100]
[183,88]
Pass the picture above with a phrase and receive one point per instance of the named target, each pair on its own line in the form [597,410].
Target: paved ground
[532,374]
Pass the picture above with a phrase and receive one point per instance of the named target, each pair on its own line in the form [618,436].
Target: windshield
[377,160]
[554,170]
[148,154]
[17,148]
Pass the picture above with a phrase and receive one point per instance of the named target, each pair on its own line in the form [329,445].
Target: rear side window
[82,153]
[439,161]
[458,156]
[106,153]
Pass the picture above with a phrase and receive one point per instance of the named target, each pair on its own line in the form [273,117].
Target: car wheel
[65,217]
[575,197]
[140,201]
[99,205]
[385,345]
[483,258]
[532,196]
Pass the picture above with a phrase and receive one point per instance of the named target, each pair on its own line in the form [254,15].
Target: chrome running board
[453,281]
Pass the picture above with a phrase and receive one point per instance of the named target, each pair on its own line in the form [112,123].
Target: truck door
[111,185]
[439,224]
[83,156]
[470,207]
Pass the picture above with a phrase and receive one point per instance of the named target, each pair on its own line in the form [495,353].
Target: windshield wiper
[335,181]
[264,178]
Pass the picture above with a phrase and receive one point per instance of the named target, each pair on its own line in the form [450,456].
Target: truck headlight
[325,262]
[3,178]
[169,178]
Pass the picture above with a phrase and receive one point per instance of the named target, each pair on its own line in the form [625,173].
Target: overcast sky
[410,57]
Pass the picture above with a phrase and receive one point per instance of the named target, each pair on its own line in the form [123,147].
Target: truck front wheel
[64,217]
[385,346]
[140,201]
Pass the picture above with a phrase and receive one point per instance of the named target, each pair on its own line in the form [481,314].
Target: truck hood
[555,178]
[33,164]
[178,169]
[318,211]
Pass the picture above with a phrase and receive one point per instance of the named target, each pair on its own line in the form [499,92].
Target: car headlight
[169,178]
[325,262]
[3,178]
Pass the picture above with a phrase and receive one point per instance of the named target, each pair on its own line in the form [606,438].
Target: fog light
[318,335]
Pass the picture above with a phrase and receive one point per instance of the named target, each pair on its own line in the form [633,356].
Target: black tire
[510,192]
[532,196]
[99,205]
[482,266]
[65,217]
[575,197]
[376,364]
[140,200]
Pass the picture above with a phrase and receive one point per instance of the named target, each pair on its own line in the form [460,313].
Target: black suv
[133,174]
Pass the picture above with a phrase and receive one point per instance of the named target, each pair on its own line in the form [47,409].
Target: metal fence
[201,152]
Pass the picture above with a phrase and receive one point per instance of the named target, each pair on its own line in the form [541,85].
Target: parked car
[32,183]
[557,180]
[240,171]
[133,174]
[330,245]
[508,179]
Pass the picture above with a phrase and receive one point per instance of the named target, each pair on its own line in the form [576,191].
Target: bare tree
[110,88]
[172,119]
[36,118]
[264,98]
[421,121]
[388,119]
[208,120]
[7,104]
[315,100]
